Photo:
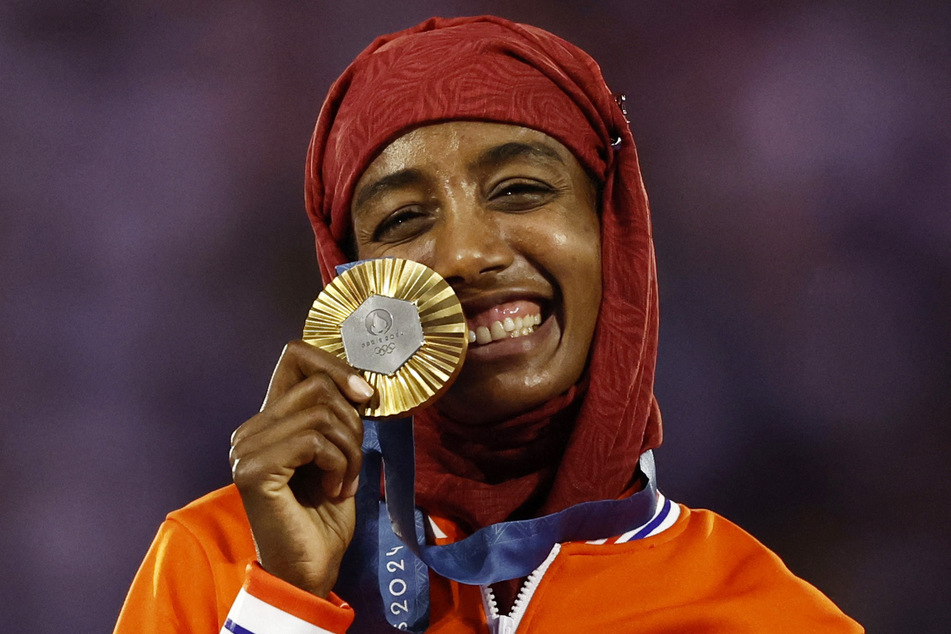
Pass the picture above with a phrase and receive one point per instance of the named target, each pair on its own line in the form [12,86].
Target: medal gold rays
[400,324]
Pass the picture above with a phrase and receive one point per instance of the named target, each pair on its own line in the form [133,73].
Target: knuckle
[239,434]
[296,347]
[355,422]
[321,386]
[248,472]
[325,452]
[316,440]
[320,412]
[242,473]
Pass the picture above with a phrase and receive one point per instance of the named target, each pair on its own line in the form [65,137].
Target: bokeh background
[155,256]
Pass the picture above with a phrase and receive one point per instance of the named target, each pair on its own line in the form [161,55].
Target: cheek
[582,249]
[567,246]
[585,280]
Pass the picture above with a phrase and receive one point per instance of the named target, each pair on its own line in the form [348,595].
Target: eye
[403,224]
[521,194]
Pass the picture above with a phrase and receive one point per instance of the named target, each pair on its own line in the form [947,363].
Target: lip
[477,303]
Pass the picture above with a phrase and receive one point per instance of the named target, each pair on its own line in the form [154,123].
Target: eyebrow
[493,156]
[395,180]
[517,150]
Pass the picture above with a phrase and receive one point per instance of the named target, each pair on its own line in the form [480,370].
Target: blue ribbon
[507,550]
[385,570]
[387,582]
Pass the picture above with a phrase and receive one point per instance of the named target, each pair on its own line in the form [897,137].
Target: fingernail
[359,385]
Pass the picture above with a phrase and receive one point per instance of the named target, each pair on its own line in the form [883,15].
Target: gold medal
[400,324]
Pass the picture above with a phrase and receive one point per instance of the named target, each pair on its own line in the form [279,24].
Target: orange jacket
[701,574]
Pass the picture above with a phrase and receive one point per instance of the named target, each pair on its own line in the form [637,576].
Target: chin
[496,399]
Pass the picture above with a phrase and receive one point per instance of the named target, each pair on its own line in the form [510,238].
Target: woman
[494,153]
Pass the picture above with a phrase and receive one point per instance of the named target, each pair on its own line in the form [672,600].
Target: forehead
[463,142]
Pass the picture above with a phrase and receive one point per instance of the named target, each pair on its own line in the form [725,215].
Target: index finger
[300,360]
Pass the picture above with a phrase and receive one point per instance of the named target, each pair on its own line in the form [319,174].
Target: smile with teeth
[507,328]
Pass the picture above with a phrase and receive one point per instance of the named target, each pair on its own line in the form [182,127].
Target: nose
[470,245]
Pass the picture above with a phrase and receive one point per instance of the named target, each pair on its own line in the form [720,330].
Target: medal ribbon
[507,550]
[385,569]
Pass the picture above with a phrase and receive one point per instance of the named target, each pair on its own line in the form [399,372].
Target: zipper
[508,623]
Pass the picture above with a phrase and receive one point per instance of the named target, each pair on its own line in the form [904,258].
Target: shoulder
[219,504]
[729,551]
[753,577]
[217,521]
[704,569]
[716,553]
[194,568]
[709,531]
[696,535]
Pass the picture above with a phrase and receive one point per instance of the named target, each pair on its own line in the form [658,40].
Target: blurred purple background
[155,256]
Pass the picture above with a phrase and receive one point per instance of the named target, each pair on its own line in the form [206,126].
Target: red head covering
[583,445]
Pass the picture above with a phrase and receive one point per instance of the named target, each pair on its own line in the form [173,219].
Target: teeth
[498,332]
[509,327]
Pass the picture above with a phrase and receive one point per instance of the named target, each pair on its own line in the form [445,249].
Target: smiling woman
[494,153]
[508,217]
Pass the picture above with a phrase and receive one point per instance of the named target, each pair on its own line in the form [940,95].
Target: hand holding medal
[295,463]
[401,325]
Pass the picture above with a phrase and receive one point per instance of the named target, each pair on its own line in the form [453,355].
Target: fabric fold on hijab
[583,445]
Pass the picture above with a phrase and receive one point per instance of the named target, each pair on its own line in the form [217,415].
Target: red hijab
[583,445]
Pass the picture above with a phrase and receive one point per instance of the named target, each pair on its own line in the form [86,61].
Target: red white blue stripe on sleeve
[665,516]
[250,615]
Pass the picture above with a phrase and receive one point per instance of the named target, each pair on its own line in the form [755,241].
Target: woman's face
[508,217]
